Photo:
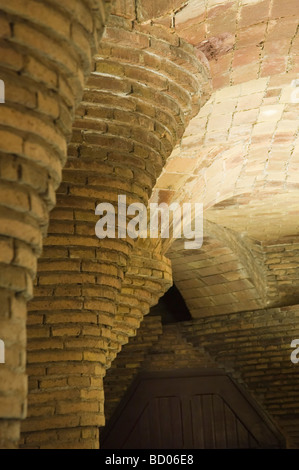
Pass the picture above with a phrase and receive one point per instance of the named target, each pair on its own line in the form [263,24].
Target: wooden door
[188,410]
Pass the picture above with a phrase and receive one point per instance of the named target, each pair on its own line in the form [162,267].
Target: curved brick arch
[242,272]
[46,54]
[244,173]
[214,280]
[249,252]
[146,86]
[148,277]
[242,41]
[240,155]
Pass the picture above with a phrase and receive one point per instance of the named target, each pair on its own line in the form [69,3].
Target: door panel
[204,410]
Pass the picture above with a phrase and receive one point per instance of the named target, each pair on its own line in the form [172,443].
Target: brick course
[46,56]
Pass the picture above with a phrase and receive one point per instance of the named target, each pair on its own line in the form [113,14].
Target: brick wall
[46,52]
[252,347]
[255,348]
[156,347]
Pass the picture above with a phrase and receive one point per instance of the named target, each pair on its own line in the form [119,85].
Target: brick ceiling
[239,155]
[184,101]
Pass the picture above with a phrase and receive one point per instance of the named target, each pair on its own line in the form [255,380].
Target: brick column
[45,56]
[145,87]
[148,277]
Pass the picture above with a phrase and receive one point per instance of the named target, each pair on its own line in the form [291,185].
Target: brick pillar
[148,277]
[45,56]
[135,108]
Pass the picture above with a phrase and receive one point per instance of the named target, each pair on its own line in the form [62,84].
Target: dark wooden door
[177,411]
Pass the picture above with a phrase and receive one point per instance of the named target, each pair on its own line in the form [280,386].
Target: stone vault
[165,101]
